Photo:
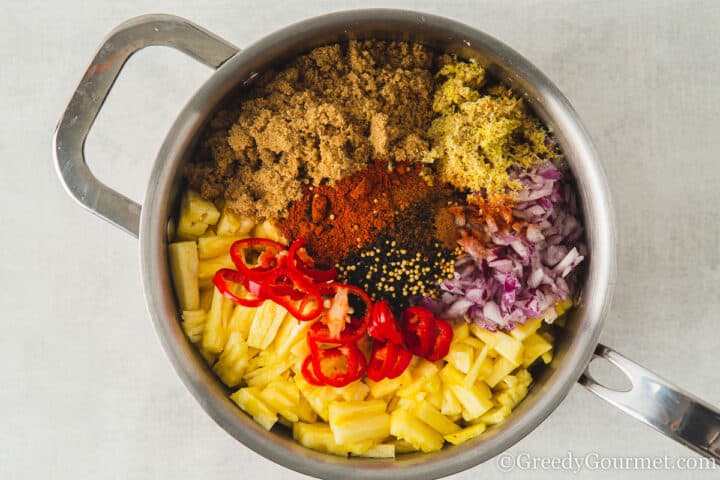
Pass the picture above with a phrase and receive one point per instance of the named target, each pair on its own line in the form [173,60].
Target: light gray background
[86,390]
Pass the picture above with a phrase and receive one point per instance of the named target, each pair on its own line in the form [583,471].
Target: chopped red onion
[518,275]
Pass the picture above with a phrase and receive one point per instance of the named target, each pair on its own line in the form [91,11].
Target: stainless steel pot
[650,398]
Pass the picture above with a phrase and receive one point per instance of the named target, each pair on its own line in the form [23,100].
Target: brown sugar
[321,118]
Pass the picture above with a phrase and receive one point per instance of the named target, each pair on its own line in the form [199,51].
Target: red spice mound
[336,220]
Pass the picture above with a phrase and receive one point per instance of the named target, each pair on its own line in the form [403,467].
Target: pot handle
[72,130]
[660,404]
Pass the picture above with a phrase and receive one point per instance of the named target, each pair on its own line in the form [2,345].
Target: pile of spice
[321,118]
[481,135]
[340,219]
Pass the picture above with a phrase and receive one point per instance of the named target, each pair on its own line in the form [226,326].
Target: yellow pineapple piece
[318,436]
[460,356]
[283,397]
[430,415]
[291,332]
[206,295]
[214,246]
[501,367]
[477,368]
[406,426]
[450,404]
[268,230]
[196,214]
[461,330]
[354,391]
[465,434]
[433,388]
[249,400]
[521,332]
[474,400]
[184,265]
[547,357]
[535,346]
[233,360]
[304,411]
[193,324]
[241,319]
[386,386]
[348,411]
[231,224]
[402,446]
[381,450]
[215,335]
[370,428]
[504,344]
[473,342]
[496,415]
[260,377]
[207,268]
[265,324]
[424,368]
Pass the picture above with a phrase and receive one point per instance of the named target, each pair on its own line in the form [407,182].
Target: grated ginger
[479,136]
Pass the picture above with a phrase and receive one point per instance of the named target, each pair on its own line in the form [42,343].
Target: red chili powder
[336,220]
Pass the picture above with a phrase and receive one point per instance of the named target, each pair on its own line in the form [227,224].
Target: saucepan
[651,399]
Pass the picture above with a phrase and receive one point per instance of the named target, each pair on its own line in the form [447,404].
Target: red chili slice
[226,279]
[401,363]
[294,292]
[338,366]
[268,257]
[419,330]
[383,358]
[298,258]
[383,325]
[444,335]
[353,332]
[308,373]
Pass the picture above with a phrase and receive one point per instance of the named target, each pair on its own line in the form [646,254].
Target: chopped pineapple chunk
[196,214]
[231,224]
[208,268]
[233,360]
[214,246]
[318,436]
[430,415]
[535,346]
[406,426]
[503,343]
[249,400]
[268,230]
[184,266]
[465,434]
[381,450]
[193,323]
[521,332]
[216,334]
[461,356]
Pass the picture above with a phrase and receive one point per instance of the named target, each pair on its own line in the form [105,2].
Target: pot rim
[553,108]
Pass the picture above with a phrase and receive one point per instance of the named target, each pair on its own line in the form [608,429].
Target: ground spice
[322,117]
[336,220]
[482,132]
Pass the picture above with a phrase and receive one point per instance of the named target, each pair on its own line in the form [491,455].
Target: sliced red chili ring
[353,332]
[298,258]
[294,292]
[225,279]
[419,330]
[346,364]
[382,325]
[308,373]
[443,338]
[268,258]
[401,363]
[383,358]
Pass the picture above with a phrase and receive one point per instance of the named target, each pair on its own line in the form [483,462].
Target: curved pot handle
[72,130]
[660,404]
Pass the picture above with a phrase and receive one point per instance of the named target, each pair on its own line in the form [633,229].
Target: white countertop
[86,389]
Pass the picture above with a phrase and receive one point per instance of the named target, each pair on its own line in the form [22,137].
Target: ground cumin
[319,119]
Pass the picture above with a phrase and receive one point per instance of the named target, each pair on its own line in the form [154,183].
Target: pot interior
[573,346]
